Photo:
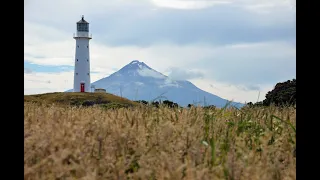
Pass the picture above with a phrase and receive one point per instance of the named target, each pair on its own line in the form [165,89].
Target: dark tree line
[211,107]
[170,104]
[157,104]
[284,93]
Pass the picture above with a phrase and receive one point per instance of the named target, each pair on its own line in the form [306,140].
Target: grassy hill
[74,98]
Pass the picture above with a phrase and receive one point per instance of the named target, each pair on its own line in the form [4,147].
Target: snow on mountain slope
[137,81]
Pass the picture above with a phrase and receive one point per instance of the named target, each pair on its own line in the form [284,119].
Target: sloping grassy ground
[73,98]
[158,143]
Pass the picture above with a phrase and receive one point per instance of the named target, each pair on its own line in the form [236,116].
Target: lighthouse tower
[81,81]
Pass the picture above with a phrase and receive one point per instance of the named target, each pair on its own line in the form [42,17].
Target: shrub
[284,93]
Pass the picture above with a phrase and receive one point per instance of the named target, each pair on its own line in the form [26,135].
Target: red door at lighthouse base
[82,87]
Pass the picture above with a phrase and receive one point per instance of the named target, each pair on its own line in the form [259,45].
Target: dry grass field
[94,143]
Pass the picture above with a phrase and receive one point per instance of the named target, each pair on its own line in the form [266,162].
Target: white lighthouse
[81,81]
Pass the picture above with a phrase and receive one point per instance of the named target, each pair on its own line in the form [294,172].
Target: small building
[100,90]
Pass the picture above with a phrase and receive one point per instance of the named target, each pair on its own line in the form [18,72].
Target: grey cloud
[254,87]
[217,25]
[136,23]
[265,64]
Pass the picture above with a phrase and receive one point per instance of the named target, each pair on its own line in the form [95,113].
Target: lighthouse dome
[82,21]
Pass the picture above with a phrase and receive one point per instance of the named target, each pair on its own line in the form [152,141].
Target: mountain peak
[138,63]
[137,68]
[134,62]
[135,65]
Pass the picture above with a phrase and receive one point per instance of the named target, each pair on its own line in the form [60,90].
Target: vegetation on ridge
[80,99]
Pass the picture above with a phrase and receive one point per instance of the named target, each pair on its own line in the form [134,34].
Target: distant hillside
[71,98]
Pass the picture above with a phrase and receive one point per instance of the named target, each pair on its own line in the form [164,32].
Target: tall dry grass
[148,143]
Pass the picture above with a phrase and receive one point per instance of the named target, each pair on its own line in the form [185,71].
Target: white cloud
[169,82]
[233,92]
[47,46]
[183,74]
[36,82]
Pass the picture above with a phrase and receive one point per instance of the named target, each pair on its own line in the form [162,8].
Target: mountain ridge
[138,81]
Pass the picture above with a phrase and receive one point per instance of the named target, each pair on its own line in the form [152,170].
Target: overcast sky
[231,48]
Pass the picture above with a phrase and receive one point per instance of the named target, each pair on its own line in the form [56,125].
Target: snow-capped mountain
[137,81]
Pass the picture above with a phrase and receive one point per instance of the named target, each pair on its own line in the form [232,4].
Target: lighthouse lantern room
[81,81]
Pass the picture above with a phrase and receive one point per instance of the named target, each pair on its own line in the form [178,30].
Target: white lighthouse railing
[82,34]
